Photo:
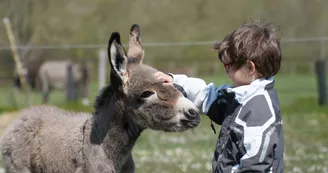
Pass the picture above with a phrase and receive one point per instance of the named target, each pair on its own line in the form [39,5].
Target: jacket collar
[245,92]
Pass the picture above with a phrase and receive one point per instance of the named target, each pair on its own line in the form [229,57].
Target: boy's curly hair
[256,42]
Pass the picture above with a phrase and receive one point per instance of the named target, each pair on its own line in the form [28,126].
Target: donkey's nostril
[192,113]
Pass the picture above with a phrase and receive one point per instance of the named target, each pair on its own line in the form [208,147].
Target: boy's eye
[227,66]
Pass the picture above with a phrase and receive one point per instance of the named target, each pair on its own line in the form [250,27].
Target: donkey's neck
[112,129]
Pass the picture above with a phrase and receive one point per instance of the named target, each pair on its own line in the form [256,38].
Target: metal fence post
[320,67]
[102,68]
[70,88]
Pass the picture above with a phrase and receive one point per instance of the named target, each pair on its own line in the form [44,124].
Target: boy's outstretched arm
[192,86]
[201,94]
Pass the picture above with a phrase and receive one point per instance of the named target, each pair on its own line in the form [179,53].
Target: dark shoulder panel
[256,111]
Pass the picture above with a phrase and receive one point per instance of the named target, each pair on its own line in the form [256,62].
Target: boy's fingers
[162,77]
[158,73]
[167,84]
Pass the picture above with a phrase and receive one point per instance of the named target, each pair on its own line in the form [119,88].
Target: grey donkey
[49,140]
[53,74]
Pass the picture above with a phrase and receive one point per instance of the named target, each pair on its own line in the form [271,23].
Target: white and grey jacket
[251,134]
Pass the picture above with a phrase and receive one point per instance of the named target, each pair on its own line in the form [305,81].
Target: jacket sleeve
[197,91]
[217,109]
[192,86]
[259,139]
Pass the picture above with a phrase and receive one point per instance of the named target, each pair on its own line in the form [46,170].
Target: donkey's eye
[146,94]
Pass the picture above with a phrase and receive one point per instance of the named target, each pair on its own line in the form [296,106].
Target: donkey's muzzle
[191,114]
[190,123]
[193,118]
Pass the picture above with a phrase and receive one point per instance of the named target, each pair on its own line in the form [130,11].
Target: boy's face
[239,76]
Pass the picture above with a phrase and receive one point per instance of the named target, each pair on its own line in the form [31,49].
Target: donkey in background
[53,75]
[47,139]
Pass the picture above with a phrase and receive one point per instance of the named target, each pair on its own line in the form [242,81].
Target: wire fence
[192,58]
[159,44]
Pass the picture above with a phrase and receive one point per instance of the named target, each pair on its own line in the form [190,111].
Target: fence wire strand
[159,44]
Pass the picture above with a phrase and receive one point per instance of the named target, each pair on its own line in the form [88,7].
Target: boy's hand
[165,78]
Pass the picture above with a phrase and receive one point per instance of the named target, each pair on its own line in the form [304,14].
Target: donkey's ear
[117,57]
[135,53]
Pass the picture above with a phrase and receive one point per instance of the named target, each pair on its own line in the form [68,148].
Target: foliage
[60,22]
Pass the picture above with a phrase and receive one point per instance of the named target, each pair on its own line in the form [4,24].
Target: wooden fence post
[320,66]
[19,68]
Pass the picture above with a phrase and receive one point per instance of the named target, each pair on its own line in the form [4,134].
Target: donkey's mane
[104,96]
[102,122]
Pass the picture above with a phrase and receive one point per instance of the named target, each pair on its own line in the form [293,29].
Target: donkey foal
[49,140]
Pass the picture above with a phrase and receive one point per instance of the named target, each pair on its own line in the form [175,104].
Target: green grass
[306,137]
[305,134]
[13,99]
[289,88]
[305,144]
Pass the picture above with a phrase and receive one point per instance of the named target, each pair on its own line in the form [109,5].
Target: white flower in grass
[178,151]
[183,167]
[208,166]
[297,170]
[196,166]
[313,122]
[168,153]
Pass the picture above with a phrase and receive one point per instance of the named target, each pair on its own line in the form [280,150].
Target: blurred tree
[61,22]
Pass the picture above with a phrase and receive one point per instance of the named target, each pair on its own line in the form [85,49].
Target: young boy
[251,135]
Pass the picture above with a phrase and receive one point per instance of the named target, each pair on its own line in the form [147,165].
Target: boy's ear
[251,67]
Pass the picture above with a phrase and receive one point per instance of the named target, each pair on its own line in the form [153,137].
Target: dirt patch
[6,119]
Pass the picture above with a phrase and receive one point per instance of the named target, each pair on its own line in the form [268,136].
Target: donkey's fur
[47,139]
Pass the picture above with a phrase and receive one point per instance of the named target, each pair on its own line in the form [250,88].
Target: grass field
[306,137]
